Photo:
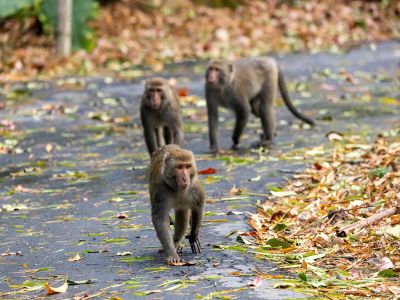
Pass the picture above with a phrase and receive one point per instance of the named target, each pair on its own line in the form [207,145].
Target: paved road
[76,159]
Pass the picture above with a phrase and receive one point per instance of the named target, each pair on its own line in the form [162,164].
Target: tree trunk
[64,27]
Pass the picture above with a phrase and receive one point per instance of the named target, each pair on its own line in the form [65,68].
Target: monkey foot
[235,147]
[262,144]
[174,260]
[195,245]
[216,151]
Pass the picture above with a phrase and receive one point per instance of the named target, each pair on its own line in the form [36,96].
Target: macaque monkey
[173,184]
[244,86]
[160,114]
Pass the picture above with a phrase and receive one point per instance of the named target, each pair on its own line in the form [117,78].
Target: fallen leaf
[255,178]
[394,289]
[207,171]
[49,147]
[383,263]
[8,253]
[256,282]
[334,136]
[283,194]
[75,258]
[183,92]
[53,290]
[121,216]
[125,253]
[235,191]
[182,263]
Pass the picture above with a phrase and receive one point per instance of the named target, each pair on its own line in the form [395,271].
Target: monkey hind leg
[242,115]
[255,106]
[168,137]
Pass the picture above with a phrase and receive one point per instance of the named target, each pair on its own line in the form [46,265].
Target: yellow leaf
[390,101]
[53,290]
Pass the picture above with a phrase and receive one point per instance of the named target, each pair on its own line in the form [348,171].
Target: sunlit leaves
[357,189]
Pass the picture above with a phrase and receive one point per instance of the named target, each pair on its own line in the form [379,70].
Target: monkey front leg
[178,136]
[242,115]
[160,218]
[181,224]
[149,136]
[197,216]
[212,110]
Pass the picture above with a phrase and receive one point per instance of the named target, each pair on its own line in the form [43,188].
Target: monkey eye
[158,90]
[188,166]
[179,167]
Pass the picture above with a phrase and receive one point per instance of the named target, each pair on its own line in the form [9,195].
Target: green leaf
[230,247]
[133,259]
[116,241]
[379,172]
[388,273]
[10,7]
[280,227]
[303,277]
[276,243]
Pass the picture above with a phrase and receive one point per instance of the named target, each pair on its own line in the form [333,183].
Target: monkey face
[155,96]
[178,174]
[183,173]
[213,75]
[219,73]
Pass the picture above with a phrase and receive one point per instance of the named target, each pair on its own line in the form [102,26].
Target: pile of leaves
[337,225]
[143,32]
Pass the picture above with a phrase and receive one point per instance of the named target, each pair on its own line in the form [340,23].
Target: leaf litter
[337,223]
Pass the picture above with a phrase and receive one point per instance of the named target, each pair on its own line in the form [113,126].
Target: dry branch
[368,221]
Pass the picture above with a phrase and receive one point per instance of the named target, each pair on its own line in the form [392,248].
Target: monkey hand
[195,244]
[178,247]
[173,259]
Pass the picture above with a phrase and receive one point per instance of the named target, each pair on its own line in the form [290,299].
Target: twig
[368,221]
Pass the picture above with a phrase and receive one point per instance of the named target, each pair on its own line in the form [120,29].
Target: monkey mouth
[212,81]
[183,186]
[154,106]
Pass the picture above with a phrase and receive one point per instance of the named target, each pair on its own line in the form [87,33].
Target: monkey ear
[147,84]
[166,155]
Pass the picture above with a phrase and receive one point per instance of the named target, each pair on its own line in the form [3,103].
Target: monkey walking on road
[160,114]
[244,86]
[174,185]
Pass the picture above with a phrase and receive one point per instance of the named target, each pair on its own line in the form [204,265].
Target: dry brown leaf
[182,263]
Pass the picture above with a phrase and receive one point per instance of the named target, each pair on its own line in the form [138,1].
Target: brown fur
[160,114]
[244,86]
[166,194]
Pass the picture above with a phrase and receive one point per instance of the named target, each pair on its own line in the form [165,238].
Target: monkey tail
[288,102]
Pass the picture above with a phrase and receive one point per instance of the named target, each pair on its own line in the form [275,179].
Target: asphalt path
[73,177]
